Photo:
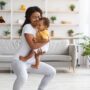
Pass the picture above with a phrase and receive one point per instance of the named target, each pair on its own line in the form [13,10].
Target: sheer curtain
[89,17]
[84,25]
[84,16]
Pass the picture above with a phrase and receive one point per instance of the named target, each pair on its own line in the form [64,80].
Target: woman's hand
[22,58]
[34,40]
[39,52]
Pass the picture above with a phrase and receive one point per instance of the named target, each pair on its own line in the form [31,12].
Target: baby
[42,35]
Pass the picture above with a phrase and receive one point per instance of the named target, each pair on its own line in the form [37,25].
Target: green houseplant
[86,46]
[70,32]
[72,7]
[2,4]
[19,32]
[86,49]
[6,33]
[53,18]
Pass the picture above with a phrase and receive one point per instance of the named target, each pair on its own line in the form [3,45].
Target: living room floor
[64,80]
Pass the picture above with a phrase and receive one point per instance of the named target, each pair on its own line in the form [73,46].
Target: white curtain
[89,17]
[84,16]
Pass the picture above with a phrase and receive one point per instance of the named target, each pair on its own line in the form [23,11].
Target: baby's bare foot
[35,66]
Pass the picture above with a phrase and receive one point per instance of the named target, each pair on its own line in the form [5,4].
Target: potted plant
[86,48]
[23,7]
[70,32]
[72,7]
[53,18]
[52,33]
[19,32]
[6,33]
[2,4]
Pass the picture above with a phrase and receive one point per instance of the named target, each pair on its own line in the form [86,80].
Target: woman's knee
[23,78]
[18,67]
[13,65]
[52,71]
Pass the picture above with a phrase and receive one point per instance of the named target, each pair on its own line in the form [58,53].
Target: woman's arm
[29,39]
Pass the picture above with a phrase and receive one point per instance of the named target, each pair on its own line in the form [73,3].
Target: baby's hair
[45,21]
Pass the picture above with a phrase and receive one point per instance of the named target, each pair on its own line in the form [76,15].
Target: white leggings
[20,68]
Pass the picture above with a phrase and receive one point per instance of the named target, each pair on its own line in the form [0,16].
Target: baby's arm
[25,58]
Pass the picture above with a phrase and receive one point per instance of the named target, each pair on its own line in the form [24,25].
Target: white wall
[84,12]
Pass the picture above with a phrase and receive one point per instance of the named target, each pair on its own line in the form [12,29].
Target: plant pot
[71,34]
[72,9]
[52,33]
[52,21]
[1,7]
[88,61]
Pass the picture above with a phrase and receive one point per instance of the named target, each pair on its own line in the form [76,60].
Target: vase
[88,61]
[52,33]
[71,34]
[1,7]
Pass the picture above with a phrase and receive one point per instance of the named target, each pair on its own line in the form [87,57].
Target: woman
[20,67]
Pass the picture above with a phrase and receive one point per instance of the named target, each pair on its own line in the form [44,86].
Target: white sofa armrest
[73,54]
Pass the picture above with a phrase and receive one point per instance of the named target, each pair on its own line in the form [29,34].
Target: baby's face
[41,25]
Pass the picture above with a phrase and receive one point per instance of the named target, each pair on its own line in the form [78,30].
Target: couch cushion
[58,47]
[6,58]
[56,58]
[9,47]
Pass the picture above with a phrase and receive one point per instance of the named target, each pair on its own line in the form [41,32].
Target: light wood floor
[80,80]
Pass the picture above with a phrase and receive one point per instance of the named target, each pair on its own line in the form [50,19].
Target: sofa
[60,53]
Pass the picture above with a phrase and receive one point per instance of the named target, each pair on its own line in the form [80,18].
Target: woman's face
[35,18]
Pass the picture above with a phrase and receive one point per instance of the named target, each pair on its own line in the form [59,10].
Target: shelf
[69,38]
[5,24]
[64,24]
[16,24]
[19,11]
[54,38]
[8,24]
[63,12]
[16,11]
[8,11]
[5,37]
[16,37]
